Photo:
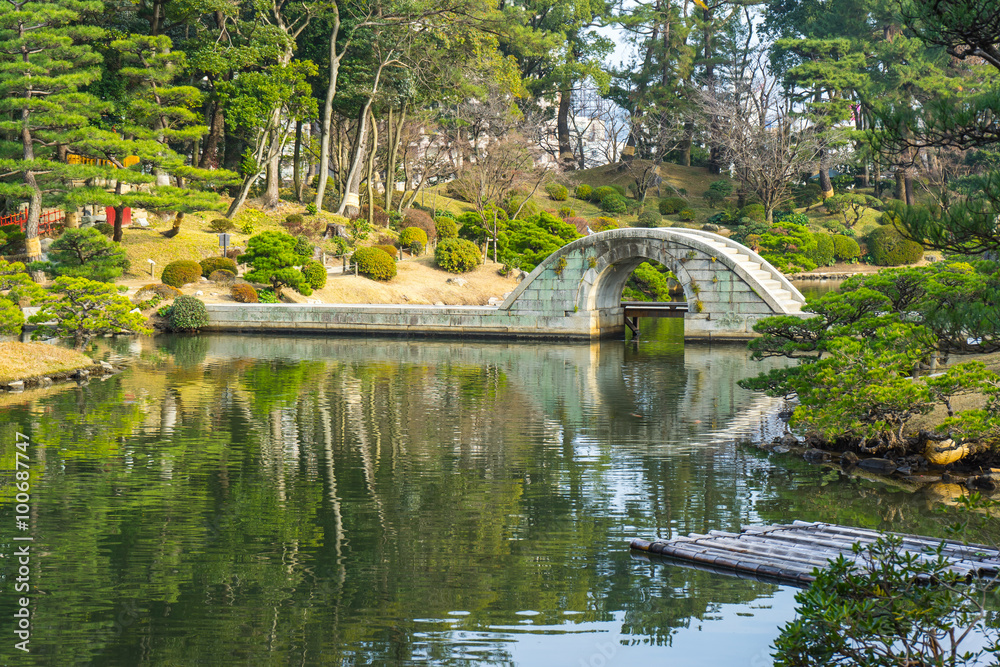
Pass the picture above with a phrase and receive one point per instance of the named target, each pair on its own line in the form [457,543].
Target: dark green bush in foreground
[188,314]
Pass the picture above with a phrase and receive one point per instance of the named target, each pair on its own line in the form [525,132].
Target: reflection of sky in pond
[263,500]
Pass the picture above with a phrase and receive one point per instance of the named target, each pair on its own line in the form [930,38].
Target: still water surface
[252,501]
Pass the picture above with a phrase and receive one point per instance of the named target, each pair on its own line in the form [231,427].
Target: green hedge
[457,255]
[845,249]
[209,265]
[824,252]
[375,263]
[181,272]
[315,274]
[188,314]
[672,205]
[887,247]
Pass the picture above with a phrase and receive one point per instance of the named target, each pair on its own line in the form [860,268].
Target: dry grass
[25,360]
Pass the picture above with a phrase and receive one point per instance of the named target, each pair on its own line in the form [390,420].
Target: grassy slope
[25,360]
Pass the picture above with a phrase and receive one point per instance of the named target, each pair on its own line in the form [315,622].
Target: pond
[264,500]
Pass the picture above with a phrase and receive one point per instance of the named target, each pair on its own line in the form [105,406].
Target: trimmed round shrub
[181,272]
[598,194]
[888,247]
[566,212]
[604,224]
[375,263]
[672,205]
[755,212]
[583,191]
[188,314]
[845,248]
[528,210]
[222,276]
[222,225]
[244,293]
[823,254]
[414,217]
[390,250]
[649,219]
[614,203]
[105,228]
[210,265]
[620,189]
[315,274]
[294,220]
[416,248]
[557,192]
[159,289]
[687,215]
[410,235]
[446,228]
[457,255]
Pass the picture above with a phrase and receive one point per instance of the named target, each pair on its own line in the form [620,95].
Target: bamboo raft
[791,553]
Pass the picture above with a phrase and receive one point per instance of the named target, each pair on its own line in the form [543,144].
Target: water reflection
[250,500]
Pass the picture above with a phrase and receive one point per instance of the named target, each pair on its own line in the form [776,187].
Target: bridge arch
[728,286]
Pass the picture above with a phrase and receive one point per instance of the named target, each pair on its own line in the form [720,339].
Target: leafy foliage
[188,313]
[457,255]
[584,191]
[84,253]
[614,203]
[377,264]
[649,219]
[211,264]
[671,205]
[315,274]
[243,293]
[411,234]
[647,283]
[446,228]
[274,257]
[845,249]
[181,272]
[80,309]
[888,247]
[557,192]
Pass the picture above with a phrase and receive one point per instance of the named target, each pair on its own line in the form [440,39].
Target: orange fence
[46,224]
[73,158]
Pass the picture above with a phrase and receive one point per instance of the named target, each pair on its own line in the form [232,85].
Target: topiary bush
[649,219]
[244,293]
[445,228]
[375,263]
[687,215]
[845,249]
[188,314]
[566,212]
[614,203]
[557,192]
[887,247]
[755,212]
[390,250]
[410,235]
[823,253]
[457,255]
[222,276]
[603,224]
[181,272]
[315,274]
[583,191]
[211,264]
[222,225]
[597,195]
[672,205]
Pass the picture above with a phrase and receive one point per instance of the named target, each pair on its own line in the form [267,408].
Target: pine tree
[44,62]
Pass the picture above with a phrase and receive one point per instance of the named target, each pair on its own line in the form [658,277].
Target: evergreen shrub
[672,205]
[445,228]
[824,252]
[566,212]
[614,203]
[375,263]
[410,235]
[159,289]
[557,192]
[222,225]
[603,224]
[620,189]
[388,249]
[887,247]
[417,219]
[687,215]
[315,274]
[244,293]
[188,314]
[181,272]
[222,277]
[754,212]
[845,248]
[583,191]
[597,195]
[212,264]
[649,218]
[457,255]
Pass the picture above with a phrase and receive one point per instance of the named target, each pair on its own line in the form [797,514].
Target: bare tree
[767,145]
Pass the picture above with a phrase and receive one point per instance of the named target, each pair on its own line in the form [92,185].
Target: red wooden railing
[46,223]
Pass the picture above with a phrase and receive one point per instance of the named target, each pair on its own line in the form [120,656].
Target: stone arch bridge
[575,293]
[728,287]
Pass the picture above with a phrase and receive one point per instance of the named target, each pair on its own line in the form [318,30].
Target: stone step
[781,295]
[792,306]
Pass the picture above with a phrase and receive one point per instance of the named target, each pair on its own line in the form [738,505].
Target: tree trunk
[566,160]
[370,170]
[350,204]
[395,134]
[210,153]
[909,196]
[296,160]
[331,90]
[273,171]
[825,185]
[900,191]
